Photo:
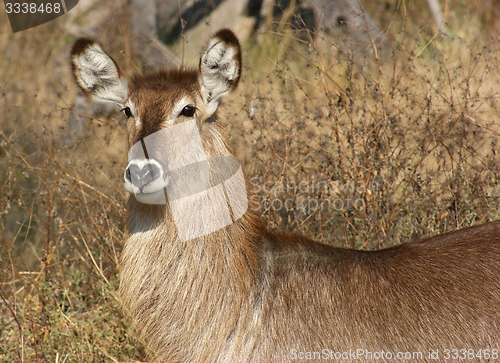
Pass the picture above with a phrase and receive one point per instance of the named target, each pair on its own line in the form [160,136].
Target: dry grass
[408,141]
[396,149]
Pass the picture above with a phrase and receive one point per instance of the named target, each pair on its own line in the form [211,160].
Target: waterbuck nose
[141,176]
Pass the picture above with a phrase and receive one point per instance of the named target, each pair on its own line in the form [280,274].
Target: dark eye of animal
[188,111]
[127,112]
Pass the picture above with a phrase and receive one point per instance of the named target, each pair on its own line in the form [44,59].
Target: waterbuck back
[203,281]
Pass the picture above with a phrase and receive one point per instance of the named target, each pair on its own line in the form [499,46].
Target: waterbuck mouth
[146,179]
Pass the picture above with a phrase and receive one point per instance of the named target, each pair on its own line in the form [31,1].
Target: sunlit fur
[244,294]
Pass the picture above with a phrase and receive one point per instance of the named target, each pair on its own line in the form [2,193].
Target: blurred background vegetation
[357,149]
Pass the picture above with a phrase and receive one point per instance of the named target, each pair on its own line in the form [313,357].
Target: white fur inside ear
[98,74]
[218,68]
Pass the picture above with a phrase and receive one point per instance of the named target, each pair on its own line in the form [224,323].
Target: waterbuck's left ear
[220,67]
[96,72]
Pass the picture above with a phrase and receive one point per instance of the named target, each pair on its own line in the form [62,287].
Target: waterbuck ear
[96,73]
[220,67]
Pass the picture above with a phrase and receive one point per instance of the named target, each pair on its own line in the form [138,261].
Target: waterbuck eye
[127,112]
[188,111]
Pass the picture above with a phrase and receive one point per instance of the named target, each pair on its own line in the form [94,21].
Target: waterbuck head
[161,100]
[175,145]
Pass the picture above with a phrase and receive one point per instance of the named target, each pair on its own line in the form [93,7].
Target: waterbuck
[202,280]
